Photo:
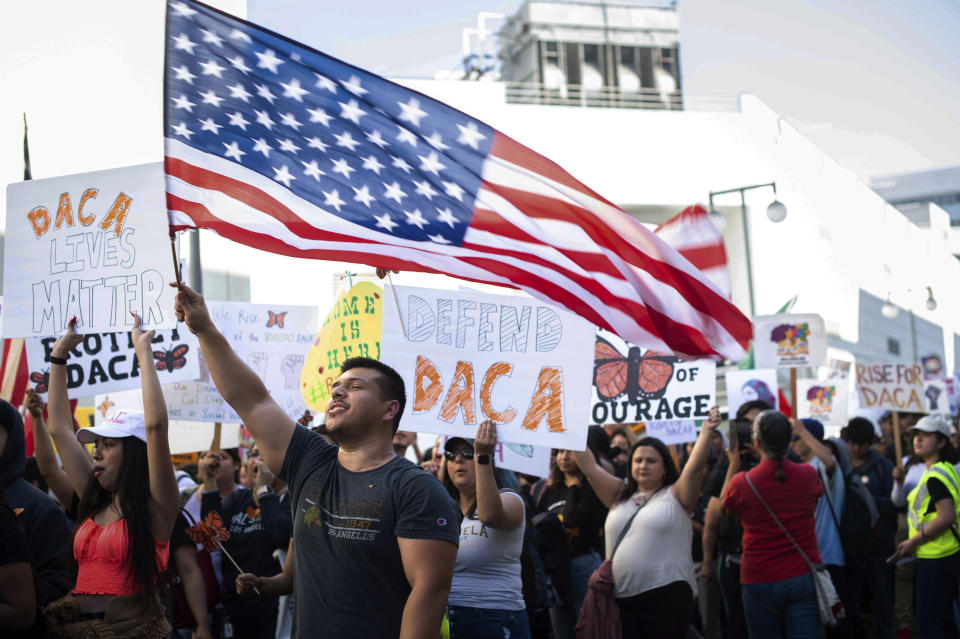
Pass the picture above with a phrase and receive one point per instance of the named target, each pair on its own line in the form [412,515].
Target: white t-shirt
[487,571]
[656,550]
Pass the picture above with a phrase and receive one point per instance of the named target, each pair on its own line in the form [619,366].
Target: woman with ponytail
[128,504]
[778,588]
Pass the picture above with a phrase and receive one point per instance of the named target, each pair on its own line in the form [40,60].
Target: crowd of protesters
[334,532]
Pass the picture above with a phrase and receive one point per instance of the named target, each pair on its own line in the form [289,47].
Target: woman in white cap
[932,510]
[128,504]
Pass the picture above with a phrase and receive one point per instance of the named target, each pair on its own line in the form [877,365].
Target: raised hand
[141,339]
[33,403]
[68,341]
[190,309]
[486,439]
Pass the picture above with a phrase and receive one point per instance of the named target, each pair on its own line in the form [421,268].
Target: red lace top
[101,555]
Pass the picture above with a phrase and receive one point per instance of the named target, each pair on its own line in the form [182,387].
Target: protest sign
[185,436]
[632,384]
[520,458]
[675,431]
[789,341]
[936,396]
[468,356]
[351,329]
[891,386]
[953,392]
[748,385]
[271,338]
[825,401]
[92,246]
[105,362]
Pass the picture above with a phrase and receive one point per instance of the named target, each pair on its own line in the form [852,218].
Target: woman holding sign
[649,535]
[128,504]
[486,596]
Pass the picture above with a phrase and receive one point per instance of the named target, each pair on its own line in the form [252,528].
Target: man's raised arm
[238,384]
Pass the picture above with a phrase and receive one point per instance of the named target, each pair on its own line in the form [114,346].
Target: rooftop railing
[580,96]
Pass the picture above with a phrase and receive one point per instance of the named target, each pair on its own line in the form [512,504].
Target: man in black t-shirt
[376,537]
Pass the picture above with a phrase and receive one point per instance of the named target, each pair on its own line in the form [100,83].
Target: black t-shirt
[255,532]
[179,536]
[582,514]
[348,573]
[938,491]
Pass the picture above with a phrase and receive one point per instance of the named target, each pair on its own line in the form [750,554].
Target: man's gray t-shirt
[348,575]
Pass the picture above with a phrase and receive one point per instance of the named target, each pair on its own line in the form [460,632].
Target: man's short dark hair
[391,386]
[859,430]
[756,404]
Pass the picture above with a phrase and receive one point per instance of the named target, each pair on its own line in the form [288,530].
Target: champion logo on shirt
[441,522]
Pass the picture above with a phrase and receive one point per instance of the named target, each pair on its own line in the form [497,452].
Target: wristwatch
[264,490]
[483,459]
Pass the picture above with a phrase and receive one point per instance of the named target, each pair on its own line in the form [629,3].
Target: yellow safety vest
[945,544]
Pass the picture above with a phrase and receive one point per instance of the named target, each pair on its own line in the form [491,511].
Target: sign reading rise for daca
[468,356]
[92,246]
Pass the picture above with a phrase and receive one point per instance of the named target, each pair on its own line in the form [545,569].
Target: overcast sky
[875,83]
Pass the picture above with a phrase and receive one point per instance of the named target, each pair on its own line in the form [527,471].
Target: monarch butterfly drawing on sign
[40,381]
[172,358]
[637,376]
[275,319]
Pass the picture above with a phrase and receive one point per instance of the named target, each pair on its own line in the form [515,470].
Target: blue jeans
[580,570]
[788,605]
[935,590]
[487,623]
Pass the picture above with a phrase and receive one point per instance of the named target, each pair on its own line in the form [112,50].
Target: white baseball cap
[933,424]
[121,423]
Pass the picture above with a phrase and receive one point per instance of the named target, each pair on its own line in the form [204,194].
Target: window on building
[893,346]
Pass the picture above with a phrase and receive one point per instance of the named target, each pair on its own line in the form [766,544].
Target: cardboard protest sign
[520,458]
[92,246]
[748,385]
[351,329]
[675,431]
[632,384]
[789,341]
[468,356]
[891,386]
[184,436]
[825,401]
[105,362]
[271,338]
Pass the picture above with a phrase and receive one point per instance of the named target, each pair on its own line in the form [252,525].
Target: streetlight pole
[775,212]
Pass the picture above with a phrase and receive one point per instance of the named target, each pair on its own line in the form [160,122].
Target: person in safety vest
[932,511]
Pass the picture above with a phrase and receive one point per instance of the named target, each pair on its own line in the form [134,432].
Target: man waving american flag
[280,147]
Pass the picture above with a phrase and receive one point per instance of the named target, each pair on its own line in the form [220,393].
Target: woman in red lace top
[128,504]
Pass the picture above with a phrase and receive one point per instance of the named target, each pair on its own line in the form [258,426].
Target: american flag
[280,147]
[696,238]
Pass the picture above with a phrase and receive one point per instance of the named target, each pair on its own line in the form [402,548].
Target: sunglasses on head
[466,453]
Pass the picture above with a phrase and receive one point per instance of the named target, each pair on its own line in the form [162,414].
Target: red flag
[696,238]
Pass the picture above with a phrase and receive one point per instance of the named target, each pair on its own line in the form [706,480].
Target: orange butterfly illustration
[209,531]
[636,376]
[252,512]
[17,511]
[306,419]
[275,319]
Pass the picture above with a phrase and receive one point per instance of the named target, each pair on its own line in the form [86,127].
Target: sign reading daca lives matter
[467,356]
[632,384]
[94,246]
